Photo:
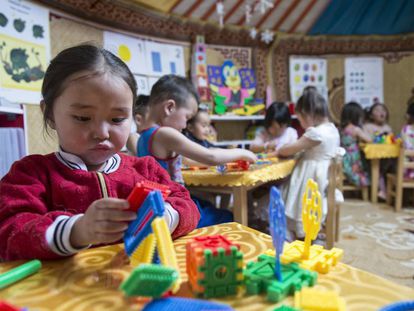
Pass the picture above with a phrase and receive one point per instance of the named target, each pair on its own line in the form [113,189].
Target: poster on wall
[164,59]
[305,72]
[364,80]
[24,50]
[131,50]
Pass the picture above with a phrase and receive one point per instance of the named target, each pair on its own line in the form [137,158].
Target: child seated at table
[315,149]
[407,136]
[57,204]
[199,128]
[140,111]
[355,167]
[276,132]
[174,101]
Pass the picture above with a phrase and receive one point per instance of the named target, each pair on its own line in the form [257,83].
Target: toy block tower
[199,69]
[214,266]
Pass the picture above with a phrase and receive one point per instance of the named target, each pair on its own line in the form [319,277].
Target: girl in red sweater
[57,204]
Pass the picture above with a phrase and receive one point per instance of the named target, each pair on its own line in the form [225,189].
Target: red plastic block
[4,306]
[212,242]
[141,190]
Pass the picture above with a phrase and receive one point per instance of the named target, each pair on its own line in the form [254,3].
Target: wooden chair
[333,216]
[348,187]
[396,182]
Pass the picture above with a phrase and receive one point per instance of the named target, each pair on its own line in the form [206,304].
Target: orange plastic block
[310,299]
[141,190]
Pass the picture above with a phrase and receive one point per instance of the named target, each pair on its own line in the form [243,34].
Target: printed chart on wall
[24,50]
[147,60]
[305,72]
[364,80]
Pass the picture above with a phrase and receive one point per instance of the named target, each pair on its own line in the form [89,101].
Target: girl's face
[92,117]
[276,129]
[379,115]
[177,117]
[201,127]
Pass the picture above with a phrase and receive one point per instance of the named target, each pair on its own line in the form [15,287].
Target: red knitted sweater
[40,188]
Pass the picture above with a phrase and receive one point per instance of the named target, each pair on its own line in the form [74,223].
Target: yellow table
[238,183]
[374,153]
[90,280]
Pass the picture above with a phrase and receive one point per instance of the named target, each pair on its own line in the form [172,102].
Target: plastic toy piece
[249,110]
[311,299]
[277,222]
[141,190]
[286,308]
[4,306]
[187,304]
[260,277]
[145,251]
[214,266]
[320,259]
[311,214]
[407,305]
[19,273]
[149,281]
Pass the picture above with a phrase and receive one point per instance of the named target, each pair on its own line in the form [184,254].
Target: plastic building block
[407,305]
[4,306]
[19,273]
[314,300]
[320,259]
[311,214]
[260,278]
[277,222]
[141,190]
[149,281]
[145,251]
[286,308]
[214,266]
[140,228]
[187,304]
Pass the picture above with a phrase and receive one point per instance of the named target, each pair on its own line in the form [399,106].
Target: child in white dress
[315,149]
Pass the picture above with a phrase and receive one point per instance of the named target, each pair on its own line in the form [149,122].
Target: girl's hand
[104,222]
[247,155]
[270,146]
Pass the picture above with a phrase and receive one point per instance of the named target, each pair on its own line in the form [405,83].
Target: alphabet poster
[24,50]
[364,80]
[305,72]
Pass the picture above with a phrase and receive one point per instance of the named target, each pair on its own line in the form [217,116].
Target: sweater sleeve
[24,214]
[179,197]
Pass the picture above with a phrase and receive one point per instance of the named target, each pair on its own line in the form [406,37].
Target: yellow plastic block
[310,299]
[165,248]
[145,251]
[320,259]
[248,110]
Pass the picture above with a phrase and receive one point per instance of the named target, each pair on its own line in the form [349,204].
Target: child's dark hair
[312,103]
[173,87]
[193,120]
[352,113]
[141,105]
[277,112]
[84,57]
[410,113]
[371,110]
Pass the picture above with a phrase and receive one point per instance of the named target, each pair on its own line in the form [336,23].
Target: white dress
[312,163]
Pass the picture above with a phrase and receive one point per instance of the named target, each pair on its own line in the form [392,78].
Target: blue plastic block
[187,304]
[407,305]
[138,230]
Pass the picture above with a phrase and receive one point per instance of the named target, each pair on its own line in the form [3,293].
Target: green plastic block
[260,278]
[286,308]
[149,281]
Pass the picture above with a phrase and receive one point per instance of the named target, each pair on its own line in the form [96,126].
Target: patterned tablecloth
[90,280]
[257,173]
[381,151]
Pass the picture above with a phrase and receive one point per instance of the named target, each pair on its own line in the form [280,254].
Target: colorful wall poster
[24,50]
[305,72]
[131,50]
[364,80]
[164,59]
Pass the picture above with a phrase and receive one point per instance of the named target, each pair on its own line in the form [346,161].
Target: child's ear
[169,106]
[49,121]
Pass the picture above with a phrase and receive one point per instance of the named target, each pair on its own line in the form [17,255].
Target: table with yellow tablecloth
[90,279]
[374,153]
[238,183]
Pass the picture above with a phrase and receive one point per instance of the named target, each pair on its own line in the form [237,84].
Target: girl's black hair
[277,112]
[173,87]
[84,57]
[312,103]
[141,105]
[194,119]
[410,113]
[352,113]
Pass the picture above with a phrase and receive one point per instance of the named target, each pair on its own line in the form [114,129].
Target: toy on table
[312,299]
[277,223]
[285,308]
[141,190]
[187,304]
[19,273]
[384,138]
[239,165]
[214,266]
[4,306]
[310,257]
[407,305]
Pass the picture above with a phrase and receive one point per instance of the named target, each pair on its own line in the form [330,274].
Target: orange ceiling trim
[267,14]
[317,16]
[210,11]
[177,2]
[192,8]
[232,10]
[286,14]
[302,16]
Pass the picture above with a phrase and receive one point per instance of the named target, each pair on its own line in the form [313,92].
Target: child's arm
[170,140]
[303,143]
[259,145]
[132,143]
[362,136]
